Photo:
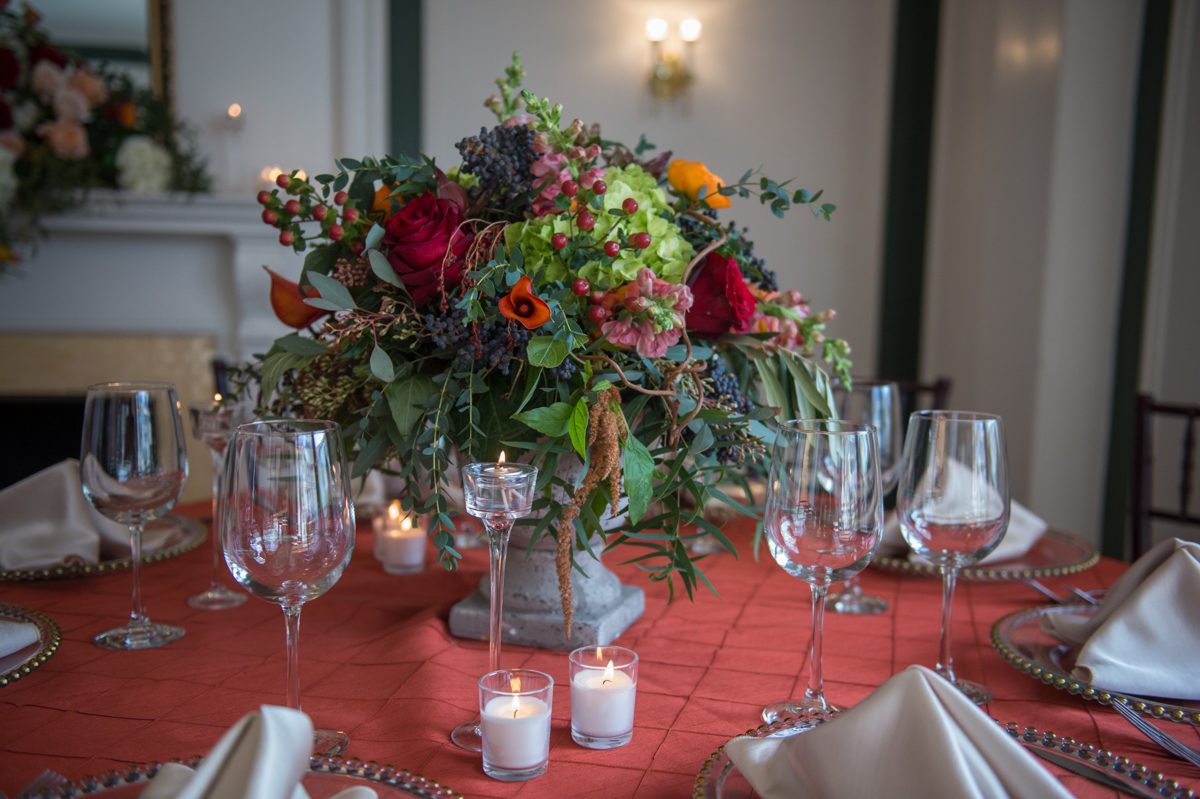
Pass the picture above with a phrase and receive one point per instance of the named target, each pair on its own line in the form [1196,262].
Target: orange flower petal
[689,176]
[522,305]
[288,302]
[383,204]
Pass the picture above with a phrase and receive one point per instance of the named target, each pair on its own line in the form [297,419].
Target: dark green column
[405,113]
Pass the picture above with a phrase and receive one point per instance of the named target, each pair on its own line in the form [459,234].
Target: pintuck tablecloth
[378,661]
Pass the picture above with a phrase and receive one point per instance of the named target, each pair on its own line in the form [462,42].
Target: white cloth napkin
[1143,639]
[263,756]
[1024,529]
[15,636]
[915,737]
[45,520]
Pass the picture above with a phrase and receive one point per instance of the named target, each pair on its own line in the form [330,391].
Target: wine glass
[133,465]
[876,403]
[497,494]
[287,526]
[213,424]
[953,502]
[823,522]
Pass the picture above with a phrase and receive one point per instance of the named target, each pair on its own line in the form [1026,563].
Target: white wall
[1027,224]
[801,88]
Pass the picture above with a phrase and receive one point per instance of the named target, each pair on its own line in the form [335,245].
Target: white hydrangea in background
[8,178]
[143,166]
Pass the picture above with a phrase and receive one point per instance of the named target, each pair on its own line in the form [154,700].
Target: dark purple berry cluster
[501,159]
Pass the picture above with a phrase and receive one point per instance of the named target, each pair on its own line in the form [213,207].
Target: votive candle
[399,541]
[603,696]
[514,711]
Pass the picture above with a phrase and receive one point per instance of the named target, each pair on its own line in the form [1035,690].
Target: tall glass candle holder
[603,695]
[497,494]
[214,424]
[515,708]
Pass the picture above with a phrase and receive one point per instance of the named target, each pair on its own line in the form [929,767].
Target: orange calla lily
[287,302]
[689,176]
[523,306]
[384,204]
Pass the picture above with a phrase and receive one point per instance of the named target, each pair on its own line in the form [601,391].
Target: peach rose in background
[90,86]
[12,141]
[690,176]
[46,79]
[70,105]
[67,139]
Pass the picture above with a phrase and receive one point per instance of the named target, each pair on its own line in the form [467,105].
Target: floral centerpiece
[559,295]
[66,127]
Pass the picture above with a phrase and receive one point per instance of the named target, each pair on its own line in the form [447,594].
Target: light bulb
[656,29]
[689,29]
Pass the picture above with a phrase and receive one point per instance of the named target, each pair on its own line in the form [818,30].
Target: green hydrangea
[667,256]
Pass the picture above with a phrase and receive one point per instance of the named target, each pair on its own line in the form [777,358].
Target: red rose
[10,68]
[44,52]
[721,300]
[416,240]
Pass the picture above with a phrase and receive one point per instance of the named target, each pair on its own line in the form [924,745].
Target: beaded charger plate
[1020,640]
[183,536]
[326,777]
[15,666]
[1055,554]
[719,777]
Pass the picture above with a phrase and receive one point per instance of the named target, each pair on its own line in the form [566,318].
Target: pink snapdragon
[557,166]
[649,314]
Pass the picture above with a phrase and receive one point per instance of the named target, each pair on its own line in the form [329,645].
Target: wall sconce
[671,75]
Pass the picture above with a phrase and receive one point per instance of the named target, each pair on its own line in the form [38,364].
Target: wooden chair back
[1143,505]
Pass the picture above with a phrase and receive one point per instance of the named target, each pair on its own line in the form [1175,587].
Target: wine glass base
[976,692]
[467,736]
[217,597]
[138,636]
[857,604]
[786,709]
[330,743]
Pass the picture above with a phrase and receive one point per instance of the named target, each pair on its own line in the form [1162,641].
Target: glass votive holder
[399,540]
[514,713]
[603,695]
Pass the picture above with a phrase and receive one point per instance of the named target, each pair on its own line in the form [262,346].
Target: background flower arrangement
[556,294]
[66,127]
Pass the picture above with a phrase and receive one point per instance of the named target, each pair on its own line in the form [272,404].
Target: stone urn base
[604,608]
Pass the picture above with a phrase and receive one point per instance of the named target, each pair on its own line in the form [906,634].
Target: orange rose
[67,139]
[523,306]
[90,86]
[690,176]
[384,204]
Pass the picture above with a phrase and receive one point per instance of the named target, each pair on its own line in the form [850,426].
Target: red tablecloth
[377,660]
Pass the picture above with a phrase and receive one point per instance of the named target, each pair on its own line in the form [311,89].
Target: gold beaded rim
[1089,558]
[194,533]
[48,634]
[1047,673]
[706,776]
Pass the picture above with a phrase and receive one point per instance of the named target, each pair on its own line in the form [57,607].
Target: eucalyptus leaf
[332,292]
[299,345]
[381,365]
[383,268]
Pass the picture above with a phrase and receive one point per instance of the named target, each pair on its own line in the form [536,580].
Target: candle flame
[516,708]
[394,510]
[217,397]
[501,461]
[407,523]
[234,111]
[608,671]
[599,653]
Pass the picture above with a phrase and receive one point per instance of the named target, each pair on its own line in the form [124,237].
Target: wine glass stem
[291,618]
[816,676]
[218,462]
[945,665]
[137,613]
[498,550]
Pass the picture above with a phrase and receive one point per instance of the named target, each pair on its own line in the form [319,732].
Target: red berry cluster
[305,204]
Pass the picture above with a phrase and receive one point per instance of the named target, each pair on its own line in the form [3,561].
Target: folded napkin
[1143,638]
[45,520]
[917,736]
[263,756]
[15,636]
[1024,529]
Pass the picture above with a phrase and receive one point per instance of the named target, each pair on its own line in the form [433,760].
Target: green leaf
[374,236]
[639,477]
[299,345]
[369,453]
[274,367]
[332,292]
[773,388]
[319,261]
[551,420]
[547,352]
[806,383]
[381,365]
[383,268]
[577,427]
[406,400]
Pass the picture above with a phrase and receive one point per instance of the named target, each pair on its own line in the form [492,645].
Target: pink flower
[90,86]
[70,105]
[552,167]
[67,139]
[649,314]
[12,141]
[588,177]
[47,77]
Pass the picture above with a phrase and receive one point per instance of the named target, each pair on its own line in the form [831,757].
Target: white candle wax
[602,702]
[516,732]
[404,549]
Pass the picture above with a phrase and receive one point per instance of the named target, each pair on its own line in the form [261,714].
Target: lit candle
[233,116]
[217,401]
[399,542]
[498,469]
[603,697]
[516,731]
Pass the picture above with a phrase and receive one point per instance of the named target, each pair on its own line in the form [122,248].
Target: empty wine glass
[953,502]
[876,403]
[287,526]
[497,494]
[133,464]
[823,522]
[213,424]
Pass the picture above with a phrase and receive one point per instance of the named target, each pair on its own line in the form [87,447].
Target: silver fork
[1167,742]
[1053,596]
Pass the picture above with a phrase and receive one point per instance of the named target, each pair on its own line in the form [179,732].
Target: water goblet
[497,494]
[823,522]
[287,526]
[133,464]
[876,403]
[953,502]
[213,424]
